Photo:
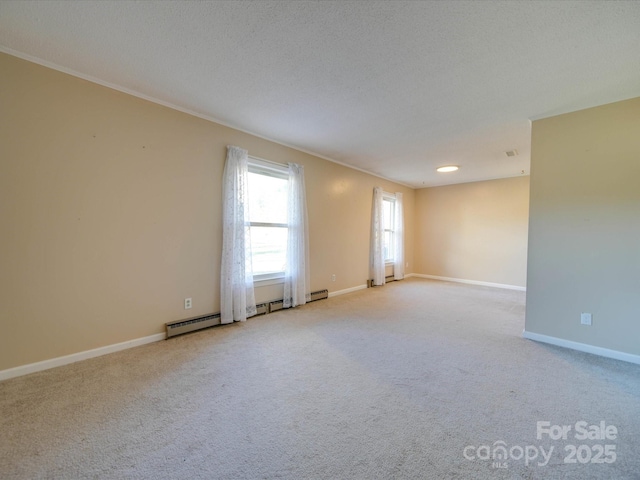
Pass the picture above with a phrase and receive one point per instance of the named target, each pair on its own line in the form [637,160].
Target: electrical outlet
[585,319]
[333,277]
[187,303]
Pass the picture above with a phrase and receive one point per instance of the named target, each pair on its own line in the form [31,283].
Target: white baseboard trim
[76,357]
[582,347]
[469,282]
[347,290]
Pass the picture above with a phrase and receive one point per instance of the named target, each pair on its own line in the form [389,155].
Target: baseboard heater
[198,323]
[180,327]
[387,279]
[276,305]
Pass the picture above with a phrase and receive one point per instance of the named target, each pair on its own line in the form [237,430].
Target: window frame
[271,169]
[391,198]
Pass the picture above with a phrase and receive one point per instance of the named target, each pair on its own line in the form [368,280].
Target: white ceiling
[395,88]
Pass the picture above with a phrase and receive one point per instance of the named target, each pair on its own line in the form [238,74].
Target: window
[388,217]
[268,195]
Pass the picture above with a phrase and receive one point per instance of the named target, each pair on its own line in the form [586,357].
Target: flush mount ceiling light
[447,168]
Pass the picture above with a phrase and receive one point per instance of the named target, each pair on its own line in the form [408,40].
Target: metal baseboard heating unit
[198,323]
[276,305]
[387,279]
[262,309]
[319,295]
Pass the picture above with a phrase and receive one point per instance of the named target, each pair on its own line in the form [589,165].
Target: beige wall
[111,214]
[474,231]
[584,233]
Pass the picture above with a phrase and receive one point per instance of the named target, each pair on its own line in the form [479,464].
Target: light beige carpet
[417,379]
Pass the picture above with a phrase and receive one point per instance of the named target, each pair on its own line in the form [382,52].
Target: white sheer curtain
[377,238]
[297,286]
[237,299]
[398,231]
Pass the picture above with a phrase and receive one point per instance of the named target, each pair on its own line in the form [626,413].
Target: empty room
[319,239]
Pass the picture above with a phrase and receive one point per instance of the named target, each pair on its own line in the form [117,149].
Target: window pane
[388,245]
[268,247]
[267,199]
[387,214]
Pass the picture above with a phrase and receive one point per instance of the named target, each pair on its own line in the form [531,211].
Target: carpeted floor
[416,380]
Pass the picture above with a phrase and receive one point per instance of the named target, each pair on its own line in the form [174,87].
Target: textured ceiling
[395,88]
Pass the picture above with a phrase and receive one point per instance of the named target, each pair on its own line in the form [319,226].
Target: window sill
[264,281]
